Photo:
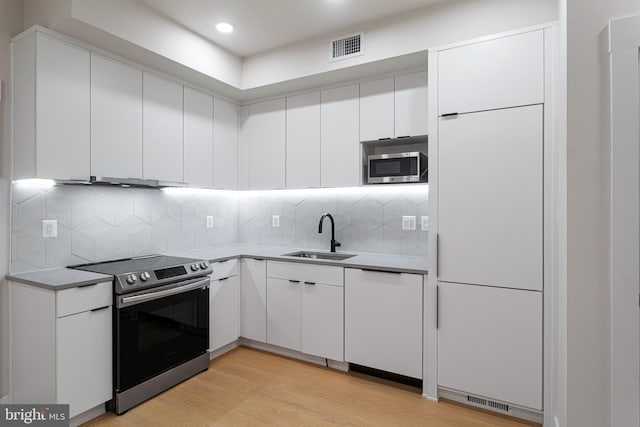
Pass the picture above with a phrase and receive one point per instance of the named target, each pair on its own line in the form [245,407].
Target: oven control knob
[144,276]
[194,267]
[204,265]
[131,279]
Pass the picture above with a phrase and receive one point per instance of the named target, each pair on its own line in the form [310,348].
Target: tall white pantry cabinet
[487,198]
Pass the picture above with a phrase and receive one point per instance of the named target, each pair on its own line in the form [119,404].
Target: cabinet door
[62,110]
[83,355]
[284,313]
[253,296]
[323,321]
[198,138]
[376,110]
[490,342]
[339,137]
[267,147]
[411,105]
[162,129]
[225,145]
[244,146]
[504,72]
[116,119]
[490,198]
[224,319]
[303,141]
[383,321]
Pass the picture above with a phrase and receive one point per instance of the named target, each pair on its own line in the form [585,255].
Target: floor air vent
[346,47]
[489,404]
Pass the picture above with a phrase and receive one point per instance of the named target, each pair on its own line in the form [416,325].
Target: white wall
[10,25]
[588,148]
[435,25]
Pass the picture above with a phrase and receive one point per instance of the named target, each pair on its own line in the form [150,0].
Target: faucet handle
[337,244]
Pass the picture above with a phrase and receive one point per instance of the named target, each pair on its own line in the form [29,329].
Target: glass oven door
[156,335]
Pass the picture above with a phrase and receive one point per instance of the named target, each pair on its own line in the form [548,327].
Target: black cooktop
[135,265]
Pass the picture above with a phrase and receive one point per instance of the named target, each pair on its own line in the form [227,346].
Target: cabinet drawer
[83,298]
[224,269]
[326,274]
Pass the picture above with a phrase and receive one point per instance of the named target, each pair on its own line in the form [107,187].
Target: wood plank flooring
[248,387]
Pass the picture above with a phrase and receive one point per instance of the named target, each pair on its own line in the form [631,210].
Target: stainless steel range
[161,324]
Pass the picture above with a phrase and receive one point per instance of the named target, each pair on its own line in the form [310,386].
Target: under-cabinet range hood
[135,182]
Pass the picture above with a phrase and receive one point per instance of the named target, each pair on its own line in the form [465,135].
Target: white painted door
[83,360]
[339,137]
[303,141]
[383,321]
[411,104]
[323,320]
[284,313]
[267,145]
[225,145]
[116,119]
[377,110]
[490,342]
[198,138]
[499,73]
[224,316]
[253,299]
[490,198]
[162,129]
[62,110]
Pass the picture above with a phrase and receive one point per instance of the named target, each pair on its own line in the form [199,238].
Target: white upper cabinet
[490,342]
[377,110]
[505,72]
[116,119]
[411,105]
[490,177]
[339,137]
[51,104]
[244,146]
[225,145]
[266,133]
[303,141]
[162,129]
[198,138]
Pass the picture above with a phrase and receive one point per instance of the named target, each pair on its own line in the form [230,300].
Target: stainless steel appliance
[397,168]
[161,324]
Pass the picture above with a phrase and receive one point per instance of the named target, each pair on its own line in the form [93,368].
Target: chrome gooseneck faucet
[334,242]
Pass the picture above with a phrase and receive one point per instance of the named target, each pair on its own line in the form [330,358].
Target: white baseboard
[333,364]
[430,398]
[224,349]
[87,416]
[5,400]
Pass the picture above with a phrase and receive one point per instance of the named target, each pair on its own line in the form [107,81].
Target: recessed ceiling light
[224,27]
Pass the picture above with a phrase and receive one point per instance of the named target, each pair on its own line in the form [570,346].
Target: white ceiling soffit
[261,25]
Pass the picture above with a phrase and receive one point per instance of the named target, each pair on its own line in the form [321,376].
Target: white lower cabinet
[490,342]
[305,308]
[62,345]
[224,312]
[253,299]
[383,320]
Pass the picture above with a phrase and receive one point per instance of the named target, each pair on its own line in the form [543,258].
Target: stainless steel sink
[320,255]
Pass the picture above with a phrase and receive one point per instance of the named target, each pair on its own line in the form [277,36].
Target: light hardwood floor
[248,387]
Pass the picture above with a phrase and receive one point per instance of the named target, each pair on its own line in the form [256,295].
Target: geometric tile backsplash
[98,223]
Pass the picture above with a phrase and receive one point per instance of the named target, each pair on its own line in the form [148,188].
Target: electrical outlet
[409,223]
[209,221]
[49,228]
[424,223]
[275,221]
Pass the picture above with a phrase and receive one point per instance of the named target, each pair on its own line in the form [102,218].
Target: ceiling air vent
[346,47]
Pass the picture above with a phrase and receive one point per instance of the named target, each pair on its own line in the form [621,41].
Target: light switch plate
[424,223]
[209,221]
[275,221]
[49,228]
[409,223]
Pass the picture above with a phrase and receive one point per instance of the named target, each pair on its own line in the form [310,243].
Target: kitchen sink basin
[320,255]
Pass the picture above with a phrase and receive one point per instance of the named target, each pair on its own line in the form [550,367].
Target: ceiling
[262,25]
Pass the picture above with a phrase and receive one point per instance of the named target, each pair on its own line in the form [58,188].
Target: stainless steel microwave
[397,167]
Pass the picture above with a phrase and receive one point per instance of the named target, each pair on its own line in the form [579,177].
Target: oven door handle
[150,296]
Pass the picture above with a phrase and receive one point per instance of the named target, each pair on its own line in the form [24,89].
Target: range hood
[134,182]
